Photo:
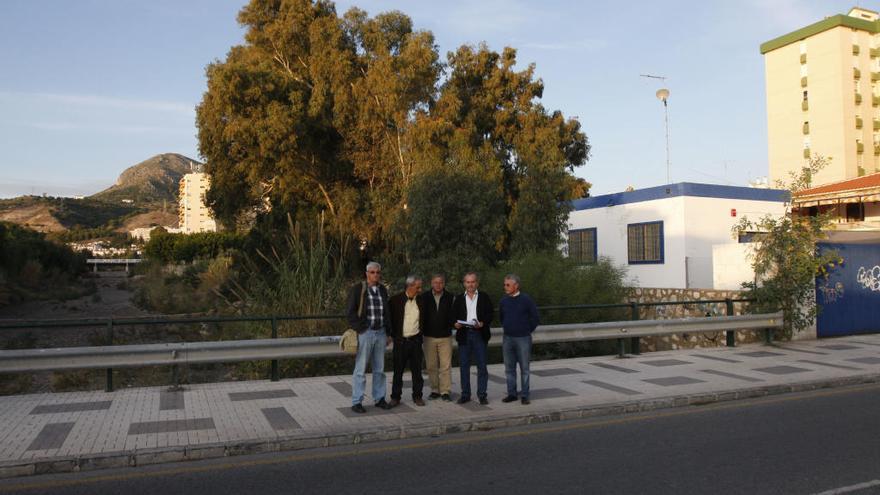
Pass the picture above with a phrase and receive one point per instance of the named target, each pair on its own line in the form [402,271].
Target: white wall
[731,266]
[709,222]
[611,224]
[691,226]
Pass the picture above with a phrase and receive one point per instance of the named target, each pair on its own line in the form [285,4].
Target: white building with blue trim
[665,235]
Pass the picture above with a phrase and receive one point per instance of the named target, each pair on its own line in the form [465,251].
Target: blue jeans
[476,345]
[517,350]
[371,346]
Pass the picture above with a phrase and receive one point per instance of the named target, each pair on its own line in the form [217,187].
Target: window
[805,95]
[855,212]
[645,242]
[582,245]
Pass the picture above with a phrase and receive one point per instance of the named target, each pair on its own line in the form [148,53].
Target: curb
[145,457]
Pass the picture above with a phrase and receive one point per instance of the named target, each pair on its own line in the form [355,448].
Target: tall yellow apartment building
[194,215]
[823,97]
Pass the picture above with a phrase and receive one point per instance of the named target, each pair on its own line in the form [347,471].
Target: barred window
[582,245]
[645,242]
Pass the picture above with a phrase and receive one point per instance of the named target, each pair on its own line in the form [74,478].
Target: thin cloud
[107,129]
[582,45]
[105,102]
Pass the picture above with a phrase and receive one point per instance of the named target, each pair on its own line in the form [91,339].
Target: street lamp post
[663,95]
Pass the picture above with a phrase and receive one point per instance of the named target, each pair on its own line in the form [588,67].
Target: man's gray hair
[512,277]
[375,265]
[412,279]
[475,274]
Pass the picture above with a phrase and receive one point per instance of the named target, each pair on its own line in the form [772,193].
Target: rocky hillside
[151,183]
[145,195]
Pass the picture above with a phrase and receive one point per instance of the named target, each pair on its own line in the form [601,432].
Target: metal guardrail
[128,356]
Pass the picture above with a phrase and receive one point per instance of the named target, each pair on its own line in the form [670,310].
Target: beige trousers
[438,361]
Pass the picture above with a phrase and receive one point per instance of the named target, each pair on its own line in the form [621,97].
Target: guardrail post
[108,382]
[768,336]
[731,334]
[274,361]
[621,348]
[635,342]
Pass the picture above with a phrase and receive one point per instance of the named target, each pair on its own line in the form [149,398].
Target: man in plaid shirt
[367,313]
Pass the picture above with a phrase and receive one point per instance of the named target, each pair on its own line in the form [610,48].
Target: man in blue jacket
[519,317]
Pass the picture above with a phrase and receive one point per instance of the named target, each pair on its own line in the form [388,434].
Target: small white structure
[665,234]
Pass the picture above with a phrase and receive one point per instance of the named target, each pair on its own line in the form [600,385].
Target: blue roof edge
[692,189]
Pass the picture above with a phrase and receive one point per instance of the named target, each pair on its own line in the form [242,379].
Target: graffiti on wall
[869,278]
[831,293]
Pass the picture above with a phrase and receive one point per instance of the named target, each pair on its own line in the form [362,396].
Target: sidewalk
[94,430]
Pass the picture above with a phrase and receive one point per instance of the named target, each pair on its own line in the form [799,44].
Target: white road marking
[851,488]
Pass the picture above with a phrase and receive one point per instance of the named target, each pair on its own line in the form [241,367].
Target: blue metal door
[849,299]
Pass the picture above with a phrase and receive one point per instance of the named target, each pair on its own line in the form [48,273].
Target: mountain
[144,195]
[151,183]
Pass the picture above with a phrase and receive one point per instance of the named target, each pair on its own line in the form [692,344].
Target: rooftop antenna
[663,95]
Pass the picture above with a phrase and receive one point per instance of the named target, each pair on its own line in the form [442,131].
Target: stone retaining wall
[684,340]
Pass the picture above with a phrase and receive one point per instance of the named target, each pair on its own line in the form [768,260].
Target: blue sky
[90,87]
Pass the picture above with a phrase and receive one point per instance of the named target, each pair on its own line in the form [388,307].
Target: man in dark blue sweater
[519,317]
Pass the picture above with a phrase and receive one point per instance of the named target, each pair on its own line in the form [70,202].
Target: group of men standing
[420,325]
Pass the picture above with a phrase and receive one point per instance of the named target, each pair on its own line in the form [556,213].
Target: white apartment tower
[194,214]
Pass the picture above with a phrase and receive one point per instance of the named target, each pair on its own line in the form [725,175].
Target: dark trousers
[407,353]
[476,345]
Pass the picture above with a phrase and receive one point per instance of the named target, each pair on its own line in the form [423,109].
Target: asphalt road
[801,443]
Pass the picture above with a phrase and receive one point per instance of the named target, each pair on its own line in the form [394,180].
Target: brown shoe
[394,402]
[418,401]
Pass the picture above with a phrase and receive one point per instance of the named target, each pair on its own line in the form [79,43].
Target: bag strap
[361,304]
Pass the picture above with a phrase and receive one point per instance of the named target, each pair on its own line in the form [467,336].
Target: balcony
[857,74]
[875,76]
[877,150]
[804,82]
[875,52]
[806,127]
[858,99]
[860,147]
[876,125]
[859,123]
[807,153]
[805,105]
[803,58]
[875,100]
[856,49]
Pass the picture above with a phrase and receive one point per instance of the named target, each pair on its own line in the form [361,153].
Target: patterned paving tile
[549,393]
[343,388]
[805,351]
[673,381]
[666,362]
[497,379]
[716,358]
[615,368]
[732,375]
[280,419]
[372,410]
[875,344]
[170,401]
[866,360]
[760,354]
[262,394]
[172,425]
[781,370]
[52,436]
[611,387]
[556,372]
[828,365]
[72,407]
[473,405]
[838,347]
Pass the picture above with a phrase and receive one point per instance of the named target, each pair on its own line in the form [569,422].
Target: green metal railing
[110,324]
